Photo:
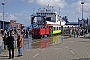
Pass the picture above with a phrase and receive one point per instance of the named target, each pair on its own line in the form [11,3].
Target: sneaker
[18,56]
[21,55]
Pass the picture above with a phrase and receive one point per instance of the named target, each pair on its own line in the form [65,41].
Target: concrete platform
[68,49]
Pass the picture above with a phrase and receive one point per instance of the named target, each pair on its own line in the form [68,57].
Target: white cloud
[0,14]
[18,14]
[22,0]
[4,1]
[56,3]
[30,1]
[9,17]
[78,6]
[21,13]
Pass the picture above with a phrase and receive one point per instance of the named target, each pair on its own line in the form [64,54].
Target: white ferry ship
[48,18]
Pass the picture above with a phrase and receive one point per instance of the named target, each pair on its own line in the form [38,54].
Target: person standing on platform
[74,32]
[19,45]
[77,33]
[10,44]
[1,43]
[4,40]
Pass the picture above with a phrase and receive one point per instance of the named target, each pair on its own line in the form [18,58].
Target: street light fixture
[82,9]
[82,13]
[3,14]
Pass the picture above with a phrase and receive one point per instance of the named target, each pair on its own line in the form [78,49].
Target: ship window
[48,18]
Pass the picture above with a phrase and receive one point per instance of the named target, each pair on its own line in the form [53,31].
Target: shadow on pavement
[82,59]
[85,37]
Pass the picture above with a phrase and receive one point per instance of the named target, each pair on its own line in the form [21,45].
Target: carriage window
[54,28]
[57,28]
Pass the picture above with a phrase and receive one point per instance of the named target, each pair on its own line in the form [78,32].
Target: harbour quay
[67,49]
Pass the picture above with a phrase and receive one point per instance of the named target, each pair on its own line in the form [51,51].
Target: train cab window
[57,28]
[54,28]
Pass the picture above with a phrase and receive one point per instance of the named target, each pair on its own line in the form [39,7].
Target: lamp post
[82,13]
[3,14]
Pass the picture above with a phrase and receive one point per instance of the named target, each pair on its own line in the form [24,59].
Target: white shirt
[1,41]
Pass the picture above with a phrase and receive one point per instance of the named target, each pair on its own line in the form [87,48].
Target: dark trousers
[11,50]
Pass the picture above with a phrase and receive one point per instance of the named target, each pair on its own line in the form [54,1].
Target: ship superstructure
[51,17]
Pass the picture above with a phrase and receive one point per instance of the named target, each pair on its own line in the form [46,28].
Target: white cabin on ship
[51,17]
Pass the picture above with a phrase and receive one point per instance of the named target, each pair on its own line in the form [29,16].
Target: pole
[82,18]
[82,15]
[3,14]
[82,11]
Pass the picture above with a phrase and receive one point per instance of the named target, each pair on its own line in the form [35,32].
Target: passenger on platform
[1,43]
[77,32]
[84,32]
[20,44]
[26,34]
[71,31]
[4,40]
[74,33]
[10,44]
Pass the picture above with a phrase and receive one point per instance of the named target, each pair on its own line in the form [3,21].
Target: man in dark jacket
[10,44]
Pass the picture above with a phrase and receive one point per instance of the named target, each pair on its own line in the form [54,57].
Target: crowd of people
[7,39]
[75,32]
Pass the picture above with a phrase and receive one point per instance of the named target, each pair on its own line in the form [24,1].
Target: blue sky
[20,10]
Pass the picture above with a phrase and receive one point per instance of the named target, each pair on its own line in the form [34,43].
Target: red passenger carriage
[42,30]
